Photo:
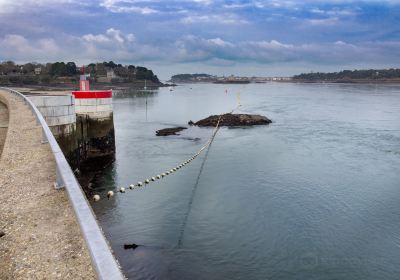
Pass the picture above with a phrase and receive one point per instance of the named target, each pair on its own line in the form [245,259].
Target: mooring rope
[140,184]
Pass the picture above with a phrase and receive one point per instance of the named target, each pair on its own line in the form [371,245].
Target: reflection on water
[315,195]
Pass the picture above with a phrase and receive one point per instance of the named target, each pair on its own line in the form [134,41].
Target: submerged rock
[234,120]
[169,131]
[132,246]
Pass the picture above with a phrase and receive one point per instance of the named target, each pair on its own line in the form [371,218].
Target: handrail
[103,261]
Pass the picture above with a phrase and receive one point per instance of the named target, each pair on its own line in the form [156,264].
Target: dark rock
[169,131]
[190,123]
[234,120]
[132,246]
[2,233]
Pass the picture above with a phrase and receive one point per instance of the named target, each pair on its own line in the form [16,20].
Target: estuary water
[314,195]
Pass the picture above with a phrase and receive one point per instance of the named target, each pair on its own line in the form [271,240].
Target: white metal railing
[103,261]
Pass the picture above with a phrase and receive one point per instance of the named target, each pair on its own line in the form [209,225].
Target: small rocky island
[226,120]
[169,131]
[233,120]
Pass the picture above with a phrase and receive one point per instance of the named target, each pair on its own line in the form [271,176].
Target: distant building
[111,75]
[108,78]
[38,70]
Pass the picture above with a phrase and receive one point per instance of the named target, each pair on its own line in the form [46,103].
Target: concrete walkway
[42,238]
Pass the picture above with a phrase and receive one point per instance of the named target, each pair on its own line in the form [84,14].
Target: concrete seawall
[58,111]
[42,239]
[84,129]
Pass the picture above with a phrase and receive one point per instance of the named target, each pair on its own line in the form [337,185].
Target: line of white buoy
[110,194]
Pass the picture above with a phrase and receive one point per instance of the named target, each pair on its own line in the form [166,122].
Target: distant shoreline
[306,82]
[344,81]
[153,86]
[93,86]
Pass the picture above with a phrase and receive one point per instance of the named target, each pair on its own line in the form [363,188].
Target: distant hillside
[371,75]
[192,78]
[61,73]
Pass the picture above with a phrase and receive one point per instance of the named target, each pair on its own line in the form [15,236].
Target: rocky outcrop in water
[233,120]
[169,131]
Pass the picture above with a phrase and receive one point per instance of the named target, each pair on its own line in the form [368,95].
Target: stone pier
[84,129]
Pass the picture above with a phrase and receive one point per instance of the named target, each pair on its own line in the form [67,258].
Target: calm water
[315,195]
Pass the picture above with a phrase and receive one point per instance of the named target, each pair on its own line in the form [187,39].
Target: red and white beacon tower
[95,103]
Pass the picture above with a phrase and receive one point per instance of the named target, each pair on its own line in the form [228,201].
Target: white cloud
[122,47]
[12,6]
[192,48]
[324,21]
[113,44]
[112,36]
[100,38]
[227,19]
[16,46]
[126,6]
[204,2]
[219,42]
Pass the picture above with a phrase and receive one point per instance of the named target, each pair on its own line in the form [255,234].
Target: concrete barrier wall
[58,111]
[94,107]
[83,127]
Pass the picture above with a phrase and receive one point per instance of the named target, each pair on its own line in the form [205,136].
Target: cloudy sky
[265,37]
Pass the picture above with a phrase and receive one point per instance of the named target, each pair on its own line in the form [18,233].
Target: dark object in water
[169,131]
[132,246]
[234,120]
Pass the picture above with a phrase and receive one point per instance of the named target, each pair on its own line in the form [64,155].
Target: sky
[246,38]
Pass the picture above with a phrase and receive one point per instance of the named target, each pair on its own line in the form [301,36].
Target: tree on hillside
[110,64]
[58,69]
[8,67]
[70,69]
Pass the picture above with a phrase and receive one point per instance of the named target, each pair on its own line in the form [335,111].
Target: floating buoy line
[140,184]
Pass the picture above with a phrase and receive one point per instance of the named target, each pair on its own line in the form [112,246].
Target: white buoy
[96,197]
[147,181]
[140,184]
[167,173]
[153,178]
[110,194]
[122,190]
[172,170]
[163,174]
[131,186]
[158,176]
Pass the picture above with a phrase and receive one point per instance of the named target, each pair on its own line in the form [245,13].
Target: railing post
[59,183]
[44,137]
